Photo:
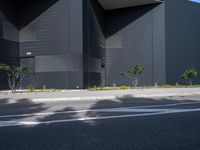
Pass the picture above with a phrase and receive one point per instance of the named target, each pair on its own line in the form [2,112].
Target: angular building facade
[84,43]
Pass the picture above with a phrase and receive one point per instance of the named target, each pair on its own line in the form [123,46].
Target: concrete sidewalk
[99,95]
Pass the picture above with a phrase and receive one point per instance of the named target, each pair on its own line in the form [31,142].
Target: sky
[198,1]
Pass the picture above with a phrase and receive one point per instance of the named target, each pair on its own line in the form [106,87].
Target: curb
[73,98]
[111,97]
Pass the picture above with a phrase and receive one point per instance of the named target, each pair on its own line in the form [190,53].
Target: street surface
[170,123]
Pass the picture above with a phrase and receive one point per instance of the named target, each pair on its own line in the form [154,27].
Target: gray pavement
[92,95]
[128,123]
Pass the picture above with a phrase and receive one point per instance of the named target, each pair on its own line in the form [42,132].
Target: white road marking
[125,110]
[98,110]
[31,123]
[142,110]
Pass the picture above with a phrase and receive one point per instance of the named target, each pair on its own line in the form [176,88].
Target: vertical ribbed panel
[9,50]
[55,39]
[135,36]
[182,38]
[94,44]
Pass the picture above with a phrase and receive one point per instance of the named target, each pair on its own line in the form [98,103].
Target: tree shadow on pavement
[66,113]
[4,101]
[19,107]
[167,132]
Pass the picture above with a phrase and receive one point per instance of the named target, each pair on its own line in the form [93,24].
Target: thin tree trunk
[13,84]
[10,82]
[136,81]
[20,80]
[190,81]
[132,82]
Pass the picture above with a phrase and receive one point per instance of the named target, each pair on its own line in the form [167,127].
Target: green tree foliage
[14,74]
[133,74]
[189,74]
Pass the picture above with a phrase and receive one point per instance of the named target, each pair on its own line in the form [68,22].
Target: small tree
[15,74]
[189,74]
[133,74]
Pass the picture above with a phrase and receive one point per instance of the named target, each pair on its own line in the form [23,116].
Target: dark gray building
[82,43]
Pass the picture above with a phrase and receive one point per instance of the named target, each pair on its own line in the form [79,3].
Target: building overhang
[115,4]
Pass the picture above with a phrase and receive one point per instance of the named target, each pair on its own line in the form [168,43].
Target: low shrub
[167,86]
[110,88]
[30,88]
[125,87]
[95,88]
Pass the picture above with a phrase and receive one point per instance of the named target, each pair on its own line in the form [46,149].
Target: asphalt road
[171,123]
